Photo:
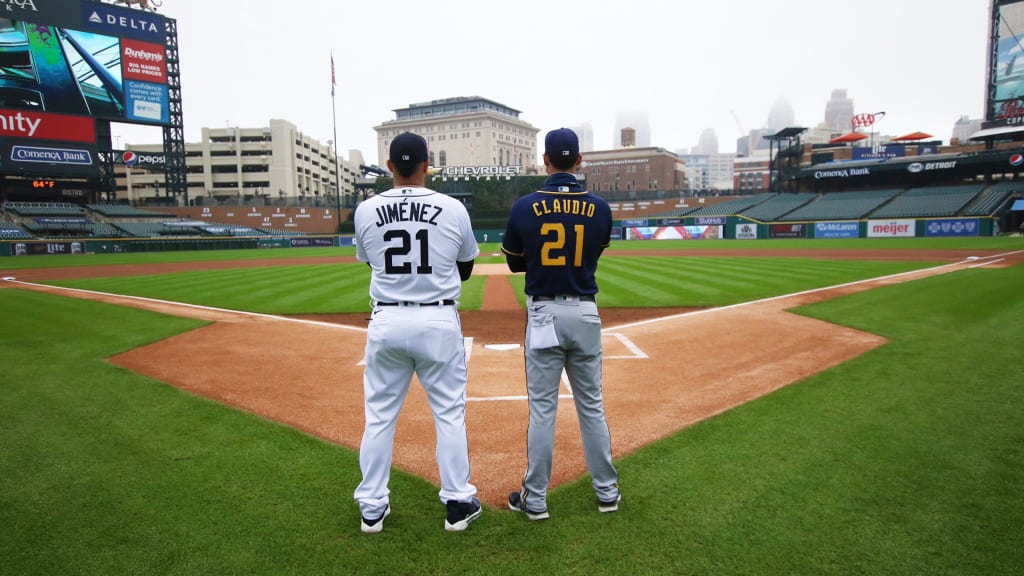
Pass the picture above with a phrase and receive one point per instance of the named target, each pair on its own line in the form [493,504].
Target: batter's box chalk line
[625,341]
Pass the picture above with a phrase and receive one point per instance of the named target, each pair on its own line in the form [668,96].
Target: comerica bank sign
[844,173]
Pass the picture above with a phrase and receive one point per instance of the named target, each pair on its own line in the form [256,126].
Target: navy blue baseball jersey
[559,232]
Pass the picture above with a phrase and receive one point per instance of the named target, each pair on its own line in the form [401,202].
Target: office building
[235,164]
[619,174]
[839,111]
[465,131]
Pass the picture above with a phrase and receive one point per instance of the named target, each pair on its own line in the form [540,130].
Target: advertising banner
[123,22]
[710,221]
[746,231]
[891,228]
[30,125]
[141,159]
[44,248]
[881,151]
[48,158]
[669,221]
[836,230]
[787,231]
[953,227]
[673,232]
[304,242]
[634,222]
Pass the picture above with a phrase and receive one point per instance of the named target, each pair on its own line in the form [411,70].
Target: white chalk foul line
[195,306]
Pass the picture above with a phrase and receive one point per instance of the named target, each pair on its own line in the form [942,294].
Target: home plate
[501,346]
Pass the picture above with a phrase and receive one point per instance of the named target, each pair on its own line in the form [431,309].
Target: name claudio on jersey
[408,212]
[564,206]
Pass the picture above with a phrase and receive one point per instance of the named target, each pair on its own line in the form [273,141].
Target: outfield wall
[707,228]
[738,228]
[123,245]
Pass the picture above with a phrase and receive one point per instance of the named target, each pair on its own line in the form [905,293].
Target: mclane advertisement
[836,229]
[953,227]
[891,228]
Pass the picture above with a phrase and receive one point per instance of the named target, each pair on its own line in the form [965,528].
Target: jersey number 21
[556,244]
[402,249]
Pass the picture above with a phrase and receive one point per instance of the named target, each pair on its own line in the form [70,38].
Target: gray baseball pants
[577,325]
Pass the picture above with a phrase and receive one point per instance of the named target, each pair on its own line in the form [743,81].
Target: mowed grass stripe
[652,281]
[325,288]
[636,281]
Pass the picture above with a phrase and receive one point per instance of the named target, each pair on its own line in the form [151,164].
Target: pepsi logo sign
[129,158]
[1016,159]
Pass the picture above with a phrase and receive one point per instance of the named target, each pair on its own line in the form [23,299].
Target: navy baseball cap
[561,143]
[408,148]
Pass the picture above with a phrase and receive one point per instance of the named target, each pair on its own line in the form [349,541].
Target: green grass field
[906,460]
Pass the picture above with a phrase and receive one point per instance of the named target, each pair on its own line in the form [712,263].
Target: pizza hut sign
[1011,111]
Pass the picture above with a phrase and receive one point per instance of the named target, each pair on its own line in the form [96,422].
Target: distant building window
[444,158]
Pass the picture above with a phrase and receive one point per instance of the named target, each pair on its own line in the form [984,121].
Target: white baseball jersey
[412,237]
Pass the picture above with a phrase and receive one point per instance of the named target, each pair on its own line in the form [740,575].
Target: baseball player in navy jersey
[420,247]
[556,236]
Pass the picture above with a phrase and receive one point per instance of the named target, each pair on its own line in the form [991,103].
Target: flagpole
[337,168]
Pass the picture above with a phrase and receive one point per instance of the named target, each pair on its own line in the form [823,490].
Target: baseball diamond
[664,369]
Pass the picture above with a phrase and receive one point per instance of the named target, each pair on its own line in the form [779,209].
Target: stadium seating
[34,209]
[930,201]
[732,207]
[153,229]
[123,211]
[841,206]
[992,198]
[778,206]
[10,231]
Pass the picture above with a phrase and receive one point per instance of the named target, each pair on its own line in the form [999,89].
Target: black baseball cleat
[515,502]
[610,505]
[460,514]
[375,525]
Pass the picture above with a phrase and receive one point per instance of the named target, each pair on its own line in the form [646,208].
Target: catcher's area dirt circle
[664,369]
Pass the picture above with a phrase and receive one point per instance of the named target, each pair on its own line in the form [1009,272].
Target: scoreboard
[44,189]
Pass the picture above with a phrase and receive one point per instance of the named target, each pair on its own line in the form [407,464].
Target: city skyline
[652,66]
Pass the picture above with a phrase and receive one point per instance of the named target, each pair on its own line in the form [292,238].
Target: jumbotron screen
[65,63]
[1007,104]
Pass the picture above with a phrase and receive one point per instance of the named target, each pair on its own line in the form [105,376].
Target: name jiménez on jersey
[406,211]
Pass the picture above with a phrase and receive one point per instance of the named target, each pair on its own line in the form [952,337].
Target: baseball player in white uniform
[420,247]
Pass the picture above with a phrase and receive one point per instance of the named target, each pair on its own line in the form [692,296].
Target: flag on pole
[333,81]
